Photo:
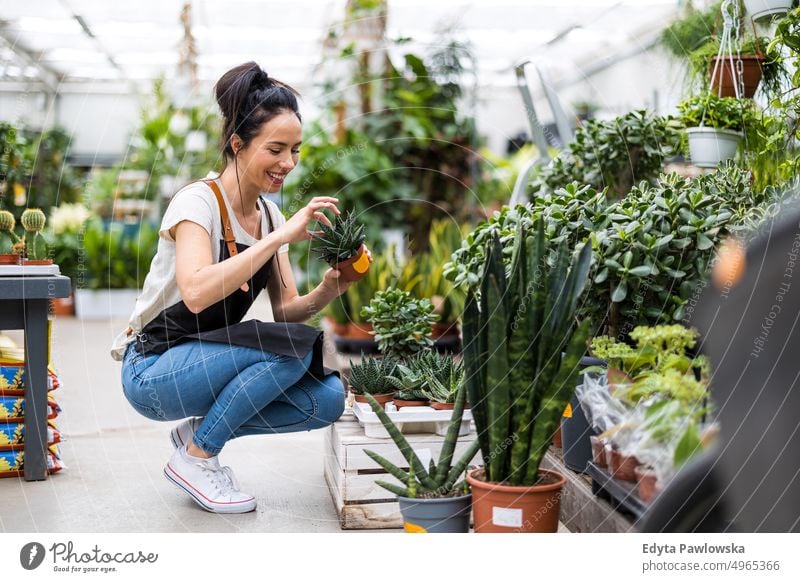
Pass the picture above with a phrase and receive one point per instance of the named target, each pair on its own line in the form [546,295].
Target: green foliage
[14,165]
[402,324]
[615,154]
[694,29]
[415,378]
[340,242]
[719,112]
[442,479]
[517,379]
[372,375]
[115,259]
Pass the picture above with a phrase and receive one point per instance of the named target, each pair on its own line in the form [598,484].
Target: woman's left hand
[331,283]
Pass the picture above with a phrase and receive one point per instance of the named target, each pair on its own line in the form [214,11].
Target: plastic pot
[575,429]
[724,82]
[437,515]
[709,146]
[355,267]
[381,398]
[758,9]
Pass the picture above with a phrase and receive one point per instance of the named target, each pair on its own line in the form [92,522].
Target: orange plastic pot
[751,73]
[516,509]
[381,398]
[355,267]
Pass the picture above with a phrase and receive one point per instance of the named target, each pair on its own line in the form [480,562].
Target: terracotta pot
[355,267]
[444,329]
[360,331]
[37,262]
[598,451]
[751,71]
[621,466]
[381,398]
[403,403]
[442,405]
[557,441]
[508,509]
[9,259]
[647,481]
[63,305]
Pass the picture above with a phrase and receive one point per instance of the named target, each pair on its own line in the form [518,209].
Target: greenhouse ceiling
[58,42]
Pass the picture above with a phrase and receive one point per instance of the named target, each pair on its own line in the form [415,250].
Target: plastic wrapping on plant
[601,409]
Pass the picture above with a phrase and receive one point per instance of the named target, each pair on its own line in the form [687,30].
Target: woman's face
[273,153]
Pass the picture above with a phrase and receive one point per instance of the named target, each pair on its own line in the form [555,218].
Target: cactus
[7,237]
[33,220]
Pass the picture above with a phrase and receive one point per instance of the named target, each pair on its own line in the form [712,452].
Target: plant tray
[28,270]
[621,494]
[410,420]
[346,345]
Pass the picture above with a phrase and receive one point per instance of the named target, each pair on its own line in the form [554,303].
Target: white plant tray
[28,270]
[410,420]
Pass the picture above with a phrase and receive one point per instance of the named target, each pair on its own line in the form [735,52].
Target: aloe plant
[442,479]
[340,242]
[523,349]
[7,236]
[371,375]
[33,220]
[428,375]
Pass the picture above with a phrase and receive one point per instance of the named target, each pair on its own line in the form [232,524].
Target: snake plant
[442,479]
[521,361]
[340,242]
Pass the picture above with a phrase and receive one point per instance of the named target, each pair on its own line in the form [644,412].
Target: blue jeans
[238,390]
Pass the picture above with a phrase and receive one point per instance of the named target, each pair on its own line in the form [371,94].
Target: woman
[186,352]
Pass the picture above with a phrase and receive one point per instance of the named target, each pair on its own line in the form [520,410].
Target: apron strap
[271,228]
[227,231]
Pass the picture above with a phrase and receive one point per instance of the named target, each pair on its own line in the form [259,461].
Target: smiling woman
[186,352]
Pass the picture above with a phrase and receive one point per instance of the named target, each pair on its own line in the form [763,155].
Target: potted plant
[402,324]
[8,239]
[521,364]
[714,126]
[342,247]
[443,387]
[33,220]
[413,378]
[371,376]
[761,9]
[434,499]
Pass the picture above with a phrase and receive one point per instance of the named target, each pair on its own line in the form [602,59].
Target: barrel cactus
[33,220]
[7,237]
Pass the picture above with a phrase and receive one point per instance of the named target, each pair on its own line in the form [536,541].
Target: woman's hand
[331,284]
[296,228]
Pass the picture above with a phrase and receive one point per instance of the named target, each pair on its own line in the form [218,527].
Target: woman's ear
[236,143]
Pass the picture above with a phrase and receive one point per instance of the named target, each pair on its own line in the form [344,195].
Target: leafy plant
[719,112]
[341,241]
[402,324]
[372,375]
[691,31]
[116,259]
[414,379]
[517,379]
[442,479]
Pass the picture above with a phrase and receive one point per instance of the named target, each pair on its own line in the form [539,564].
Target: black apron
[222,323]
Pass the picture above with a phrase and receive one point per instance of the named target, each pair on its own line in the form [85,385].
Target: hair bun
[261,79]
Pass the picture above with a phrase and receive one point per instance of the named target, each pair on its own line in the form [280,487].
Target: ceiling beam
[48,75]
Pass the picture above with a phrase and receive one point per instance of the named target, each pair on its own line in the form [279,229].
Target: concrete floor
[114,457]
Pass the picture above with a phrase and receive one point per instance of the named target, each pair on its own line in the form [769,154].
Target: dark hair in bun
[248,98]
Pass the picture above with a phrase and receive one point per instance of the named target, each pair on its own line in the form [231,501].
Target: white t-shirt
[195,202]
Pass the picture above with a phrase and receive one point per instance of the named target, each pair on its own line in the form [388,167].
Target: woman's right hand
[296,228]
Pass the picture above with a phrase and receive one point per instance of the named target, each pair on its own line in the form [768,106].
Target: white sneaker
[181,435]
[214,488]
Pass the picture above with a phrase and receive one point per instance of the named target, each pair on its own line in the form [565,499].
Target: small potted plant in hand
[436,499]
[33,220]
[8,239]
[714,126]
[371,376]
[342,247]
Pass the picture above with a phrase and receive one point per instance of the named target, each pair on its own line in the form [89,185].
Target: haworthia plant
[521,360]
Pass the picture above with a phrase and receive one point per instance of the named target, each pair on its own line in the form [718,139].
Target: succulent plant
[415,379]
[341,242]
[33,220]
[371,376]
[7,236]
[402,324]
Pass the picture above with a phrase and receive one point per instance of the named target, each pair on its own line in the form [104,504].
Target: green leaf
[620,292]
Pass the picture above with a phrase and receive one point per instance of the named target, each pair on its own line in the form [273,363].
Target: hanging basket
[760,9]
[723,85]
[709,146]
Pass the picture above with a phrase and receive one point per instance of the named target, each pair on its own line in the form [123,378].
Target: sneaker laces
[223,479]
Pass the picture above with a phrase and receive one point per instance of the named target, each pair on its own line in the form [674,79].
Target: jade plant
[522,351]
[372,375]
[402,324]
[8,239]
[33,220]
[442,479]
[341,241]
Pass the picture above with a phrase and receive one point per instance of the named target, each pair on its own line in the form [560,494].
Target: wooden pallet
[351,474]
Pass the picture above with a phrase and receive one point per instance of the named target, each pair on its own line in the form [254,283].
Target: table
[24,305]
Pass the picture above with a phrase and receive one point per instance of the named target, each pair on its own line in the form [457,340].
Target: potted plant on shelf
[714,126]
[371,376]
[63,236]
[413,378]
[521,363]
[443,387]
[33,220]
[435,499]
[9,241]
[402,324]
[342,247]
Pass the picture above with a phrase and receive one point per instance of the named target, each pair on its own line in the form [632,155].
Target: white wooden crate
[351,474]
